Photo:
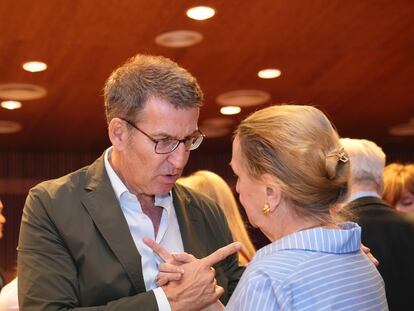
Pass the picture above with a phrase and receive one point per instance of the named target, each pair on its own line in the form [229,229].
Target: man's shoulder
[378,212]
[68,183]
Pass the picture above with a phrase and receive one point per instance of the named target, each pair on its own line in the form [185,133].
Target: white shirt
[8,297]
[140,226]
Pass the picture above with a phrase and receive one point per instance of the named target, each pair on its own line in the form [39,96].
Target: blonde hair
[216,188]
[367,161]
[299,147]
[397,179]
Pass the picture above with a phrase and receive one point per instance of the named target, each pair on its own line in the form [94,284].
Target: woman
[291,172]
[216,188]
[399,186]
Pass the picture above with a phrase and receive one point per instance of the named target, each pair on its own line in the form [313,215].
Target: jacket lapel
[103,207]
[191,223]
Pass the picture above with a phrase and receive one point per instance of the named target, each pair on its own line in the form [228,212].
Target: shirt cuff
[162,301]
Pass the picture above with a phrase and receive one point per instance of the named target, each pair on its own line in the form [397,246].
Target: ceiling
[353,59]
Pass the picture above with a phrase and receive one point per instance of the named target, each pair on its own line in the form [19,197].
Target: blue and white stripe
[315,269]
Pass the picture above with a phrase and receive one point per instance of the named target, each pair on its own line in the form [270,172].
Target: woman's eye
[407,202]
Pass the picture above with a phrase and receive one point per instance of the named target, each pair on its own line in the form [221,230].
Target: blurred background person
[216,188]
[8,294]
[399,186]
[388,233]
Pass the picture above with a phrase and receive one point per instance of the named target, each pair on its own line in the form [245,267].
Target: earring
[266,209]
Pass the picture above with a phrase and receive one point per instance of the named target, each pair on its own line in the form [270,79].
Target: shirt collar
[346,239]
[119,187]
[362,194]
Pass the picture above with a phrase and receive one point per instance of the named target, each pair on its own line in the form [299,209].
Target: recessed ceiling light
[243,98]
[178,38]
[270,73]
[34,66]
[200,13]
[404,129]
[229,110]
[8,127]
[21,91]
[218,121]
[11,104]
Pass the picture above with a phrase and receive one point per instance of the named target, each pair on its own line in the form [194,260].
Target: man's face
[145,171]
[2,219]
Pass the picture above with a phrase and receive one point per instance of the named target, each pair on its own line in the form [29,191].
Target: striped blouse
[315,269]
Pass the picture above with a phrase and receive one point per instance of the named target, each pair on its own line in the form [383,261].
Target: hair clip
[340,155]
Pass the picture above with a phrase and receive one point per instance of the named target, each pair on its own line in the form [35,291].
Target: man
[81,237]
[388,233]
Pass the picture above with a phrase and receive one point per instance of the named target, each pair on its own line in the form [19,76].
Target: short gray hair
[367,161]
[142,77]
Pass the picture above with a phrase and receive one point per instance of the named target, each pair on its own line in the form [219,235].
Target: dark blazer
[390,236]
[75,249]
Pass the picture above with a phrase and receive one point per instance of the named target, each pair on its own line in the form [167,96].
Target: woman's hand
[367,251]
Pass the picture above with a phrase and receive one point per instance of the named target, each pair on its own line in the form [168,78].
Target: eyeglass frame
[179,141]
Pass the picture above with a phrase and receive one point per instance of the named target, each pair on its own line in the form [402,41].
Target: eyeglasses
[168,145]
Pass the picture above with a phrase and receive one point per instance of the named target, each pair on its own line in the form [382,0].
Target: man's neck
[362,189]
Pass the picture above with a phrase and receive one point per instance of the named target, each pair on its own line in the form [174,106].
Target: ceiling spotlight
[34,66]
[8,127]
[11,104]
[229,110]
[200,13]
[269,73]
[179,38]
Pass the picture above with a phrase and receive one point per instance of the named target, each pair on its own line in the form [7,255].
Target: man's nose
[179,156]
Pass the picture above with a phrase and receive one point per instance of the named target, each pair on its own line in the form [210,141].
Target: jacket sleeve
[47,274]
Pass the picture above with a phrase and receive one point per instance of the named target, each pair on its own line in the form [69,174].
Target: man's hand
[196,288]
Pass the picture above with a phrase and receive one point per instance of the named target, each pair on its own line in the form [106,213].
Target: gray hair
[142,77]
[367,161]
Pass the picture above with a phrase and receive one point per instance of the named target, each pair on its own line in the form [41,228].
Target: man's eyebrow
[163,135]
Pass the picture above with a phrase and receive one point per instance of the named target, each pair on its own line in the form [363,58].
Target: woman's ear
[273,193]
[118,133]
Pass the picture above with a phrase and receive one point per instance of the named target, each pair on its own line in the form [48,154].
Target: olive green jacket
[76,252]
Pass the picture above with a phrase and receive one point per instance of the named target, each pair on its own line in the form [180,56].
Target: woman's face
[406,202]
[251,191]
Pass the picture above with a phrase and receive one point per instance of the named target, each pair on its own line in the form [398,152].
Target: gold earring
[266,209]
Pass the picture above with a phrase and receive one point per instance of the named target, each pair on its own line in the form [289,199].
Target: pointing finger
[157,248]
[221,254]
